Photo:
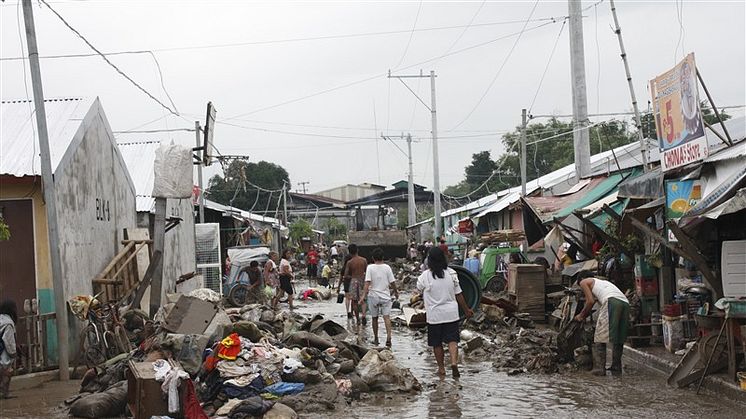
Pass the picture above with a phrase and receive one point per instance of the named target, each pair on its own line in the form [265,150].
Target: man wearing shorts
[378,279]
[355,272]
[346,283]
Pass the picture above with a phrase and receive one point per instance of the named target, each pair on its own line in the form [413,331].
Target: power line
[153,131]
[287,40]
[378,75]
[500,69]
[122,73]
[546,68]
[411,34]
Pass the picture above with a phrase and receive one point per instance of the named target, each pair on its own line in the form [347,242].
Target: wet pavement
[483,392]
[480,392]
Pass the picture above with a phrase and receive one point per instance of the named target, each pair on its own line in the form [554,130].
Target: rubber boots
[599,359]
[616,359]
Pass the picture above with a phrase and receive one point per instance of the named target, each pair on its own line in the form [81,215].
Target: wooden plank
[146,280]
[132,255]
[711,280]
[124,242]
[116,259]
[607,209]
[107,281]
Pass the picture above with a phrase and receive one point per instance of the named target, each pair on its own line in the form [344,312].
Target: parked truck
[393,242]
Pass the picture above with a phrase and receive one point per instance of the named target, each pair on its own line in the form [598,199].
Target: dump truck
[393,242]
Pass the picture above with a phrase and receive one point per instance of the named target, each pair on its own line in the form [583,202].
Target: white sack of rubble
[380,371]
[173,172]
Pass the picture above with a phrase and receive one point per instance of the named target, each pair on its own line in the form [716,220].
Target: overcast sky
[315,106]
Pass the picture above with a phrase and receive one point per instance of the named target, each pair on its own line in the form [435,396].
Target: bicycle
[98,340]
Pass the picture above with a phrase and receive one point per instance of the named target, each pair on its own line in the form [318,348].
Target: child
[8,319]
[326,274]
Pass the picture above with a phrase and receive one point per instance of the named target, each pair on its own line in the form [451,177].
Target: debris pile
[238,362]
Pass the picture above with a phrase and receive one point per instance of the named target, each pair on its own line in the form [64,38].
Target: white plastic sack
[173,172]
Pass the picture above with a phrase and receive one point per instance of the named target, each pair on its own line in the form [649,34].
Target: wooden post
[711,280]
[159,235]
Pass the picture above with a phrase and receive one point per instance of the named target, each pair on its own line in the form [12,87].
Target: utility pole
[524,122]
[303,186]
[198,130]
[285,202]
[60,306]
[638,121]
[411,209]
[580,135]
[436,169]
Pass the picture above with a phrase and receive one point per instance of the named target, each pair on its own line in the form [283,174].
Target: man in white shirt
[378,279]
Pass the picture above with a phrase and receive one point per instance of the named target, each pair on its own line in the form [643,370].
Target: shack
[95,201]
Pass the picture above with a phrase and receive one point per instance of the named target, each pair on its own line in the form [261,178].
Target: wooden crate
[527,283]
[144,395]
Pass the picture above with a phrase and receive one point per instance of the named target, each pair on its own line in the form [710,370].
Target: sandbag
[251,407]
[304,339]
[110,403]
[187,349]
[248,330]
[173,177]
[380,371]
[280,411]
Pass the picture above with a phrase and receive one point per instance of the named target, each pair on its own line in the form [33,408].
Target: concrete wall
[178,247]
[95,202]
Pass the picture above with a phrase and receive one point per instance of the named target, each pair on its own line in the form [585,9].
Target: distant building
[350,192]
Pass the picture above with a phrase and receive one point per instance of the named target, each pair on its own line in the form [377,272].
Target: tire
[495,284]
[238,295]
[91,347]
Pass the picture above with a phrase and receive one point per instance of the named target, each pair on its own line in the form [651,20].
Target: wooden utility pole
[60,305]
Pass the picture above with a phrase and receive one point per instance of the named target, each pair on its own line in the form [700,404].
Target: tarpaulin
[645,186]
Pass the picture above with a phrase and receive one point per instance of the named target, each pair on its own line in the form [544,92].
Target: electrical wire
[378,75]
[153,131]
[122,73]
[411,34]
[546,68]
[500,69]
[492,175]
[287,40]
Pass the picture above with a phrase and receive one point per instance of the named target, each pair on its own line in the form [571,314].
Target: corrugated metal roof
[19,144]
[737,150]
[245,214]
[140,160]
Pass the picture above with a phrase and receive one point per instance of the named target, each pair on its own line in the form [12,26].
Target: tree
[299,229]
[237,186]
[549,147]
[335,230]
[648,120]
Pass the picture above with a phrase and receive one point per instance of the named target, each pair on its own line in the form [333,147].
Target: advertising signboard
[681,196]
[678,119]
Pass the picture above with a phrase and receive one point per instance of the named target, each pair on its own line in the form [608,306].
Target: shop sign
[678,118]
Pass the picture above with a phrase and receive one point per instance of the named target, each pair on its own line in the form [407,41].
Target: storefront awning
[602,190]
[645,186]
[732,205]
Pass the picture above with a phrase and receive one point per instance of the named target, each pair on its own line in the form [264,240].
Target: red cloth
[313,257]
[192,408]
[230,347]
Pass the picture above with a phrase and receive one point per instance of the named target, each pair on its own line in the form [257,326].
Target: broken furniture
[526,285]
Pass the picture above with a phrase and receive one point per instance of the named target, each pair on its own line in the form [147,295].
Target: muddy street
[483,392]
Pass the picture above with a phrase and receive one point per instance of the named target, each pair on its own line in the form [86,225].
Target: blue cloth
[472,264]
[284,389]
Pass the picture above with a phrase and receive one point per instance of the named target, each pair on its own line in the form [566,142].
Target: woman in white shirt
[442,295]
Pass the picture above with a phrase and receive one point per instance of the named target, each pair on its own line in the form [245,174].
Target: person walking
[379,280]
[344,283]
[612,323]
[355,271]
[271,275]
[286,279]
[472,262]
[442,295]
[8,319]
[312,259]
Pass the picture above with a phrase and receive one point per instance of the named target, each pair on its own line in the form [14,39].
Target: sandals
[455,371]
[388,343]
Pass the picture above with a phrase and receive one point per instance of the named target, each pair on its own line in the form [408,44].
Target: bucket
[673,333]
[742,380]
[470,287]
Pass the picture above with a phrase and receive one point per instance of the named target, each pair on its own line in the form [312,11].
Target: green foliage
[648,121]
[300,228]
[335,230]
[631,242]
[234,186]
[4,230]
[542,156]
